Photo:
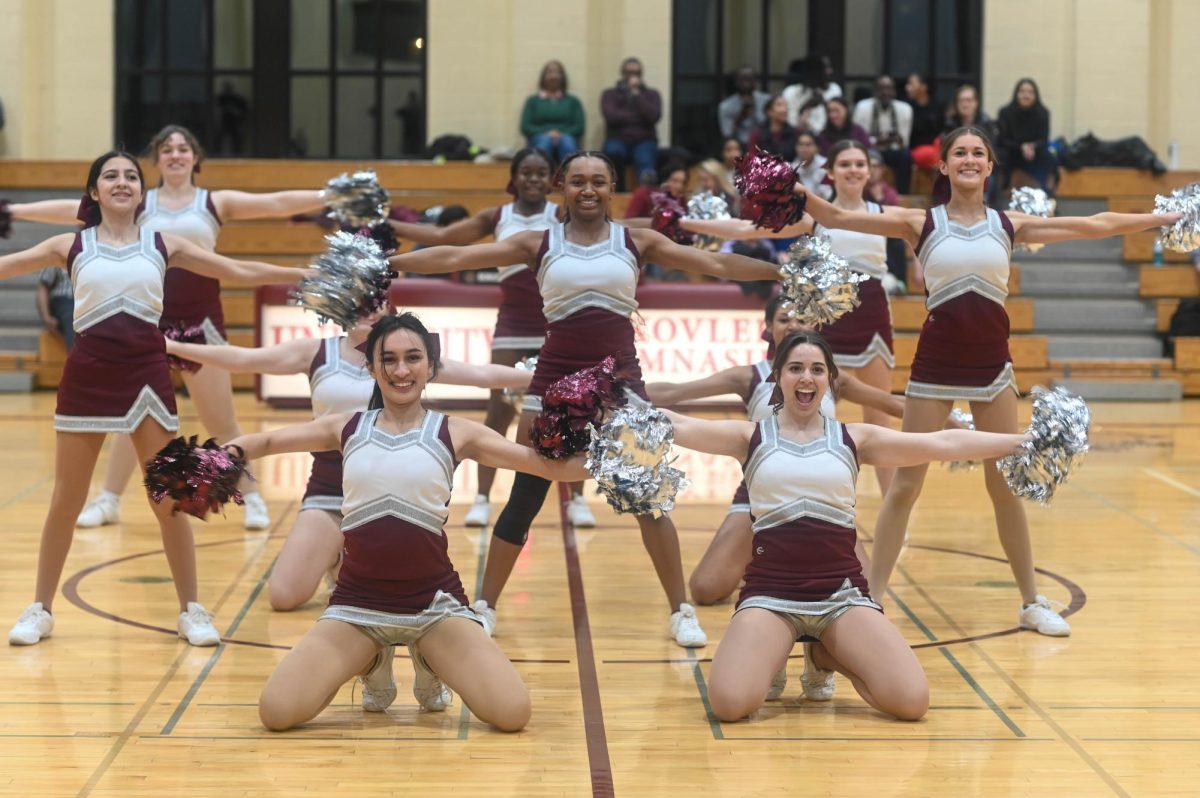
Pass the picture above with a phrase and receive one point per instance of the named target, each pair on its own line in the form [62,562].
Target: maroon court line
[589,685]
[70,591]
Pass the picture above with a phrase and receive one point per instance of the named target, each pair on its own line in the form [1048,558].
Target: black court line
[897,739]
[1153,527]
[1062,733]
[714,724]
[589,686]
[292,738]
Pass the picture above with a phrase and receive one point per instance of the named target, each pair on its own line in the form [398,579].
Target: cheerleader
[520,325]
[339,383]
[962,353]
[116,377]
[179,207]
[587,271]
[397,585]
[862,339]
[721,568]
[804,581]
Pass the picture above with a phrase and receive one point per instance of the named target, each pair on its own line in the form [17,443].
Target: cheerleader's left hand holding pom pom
[199,477]
[573,403]
[348,281]
[772,195]
[184,334]
[628,456]
[1055,443]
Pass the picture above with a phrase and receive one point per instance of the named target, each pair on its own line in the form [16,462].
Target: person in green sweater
[552,119]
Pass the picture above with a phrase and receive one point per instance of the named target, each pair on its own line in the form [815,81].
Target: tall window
[270,78]
[941,39]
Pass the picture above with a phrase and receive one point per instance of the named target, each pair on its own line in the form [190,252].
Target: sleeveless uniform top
[337,386]
[866,253]
[190,297]
[572,277]
[130,279]
[509,223]
[520,324]
[397,488]
[963,349]
[802,498]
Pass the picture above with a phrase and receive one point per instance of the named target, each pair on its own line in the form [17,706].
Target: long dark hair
[388,325]
[829,119]
[785,348]
[89,209]
[1037,95]
[561,68]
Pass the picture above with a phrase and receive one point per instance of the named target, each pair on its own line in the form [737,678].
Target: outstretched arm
[186,255]
[881,446]
[462,232]
[473,441]
[904,223]
[51,252]
[492,376]
[728,438]
[320,435]
[521,248]
[1038,230]
[852,389]
[292,357]
[233,205]
[657,248]
[734,380]
[58,211]
[743,229]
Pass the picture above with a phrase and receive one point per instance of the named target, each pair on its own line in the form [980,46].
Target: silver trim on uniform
[147,404]
[515,342]
[878,348]
[982,393]
[330,504]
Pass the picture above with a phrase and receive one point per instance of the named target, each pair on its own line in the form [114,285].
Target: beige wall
[56,78]
[478,89]
[1112,67]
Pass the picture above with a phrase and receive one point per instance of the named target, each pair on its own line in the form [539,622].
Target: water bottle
[1157,260]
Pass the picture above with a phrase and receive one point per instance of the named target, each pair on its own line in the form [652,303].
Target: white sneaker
[778,683]
[103,510]
[257,516]
[431,693]
[34,624]
[487,615]
[1044,619]
[816,683]
[379,685]
[685,627]
[480,512]
[578,512]
[196,627]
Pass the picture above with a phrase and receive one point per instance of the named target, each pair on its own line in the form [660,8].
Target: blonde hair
[717,171]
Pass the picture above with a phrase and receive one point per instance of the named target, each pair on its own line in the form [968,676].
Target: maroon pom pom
[573,402]
[198,477]
[184,334]
[665,216]
[766,183]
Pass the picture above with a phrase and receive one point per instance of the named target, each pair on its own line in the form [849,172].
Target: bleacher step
[1071,315]
[1064,347]
[1162,390]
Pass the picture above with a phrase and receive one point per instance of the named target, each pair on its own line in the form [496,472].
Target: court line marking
[23,492]
[899,739]
[1062,733]
[1124,708]
[485,538]
[958,666]
[714,725]
[1155,528]
[589,685]
[1143,739]
[1174,483]
[293,738]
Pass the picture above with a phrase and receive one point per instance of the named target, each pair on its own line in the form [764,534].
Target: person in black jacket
[1024,136]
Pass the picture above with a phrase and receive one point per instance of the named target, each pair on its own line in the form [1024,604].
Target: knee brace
[524,502]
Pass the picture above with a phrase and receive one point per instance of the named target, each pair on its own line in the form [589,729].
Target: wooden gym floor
[114,705]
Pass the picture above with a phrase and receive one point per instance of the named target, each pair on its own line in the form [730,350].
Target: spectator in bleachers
[838,126]
[775,135]
[888,122]
[1023,138]
[741,112]
[810,164]
[806,98]
[553,120]
[56,304]
[879,191]
[712,177]
[966,112]
[671,178]
[631,111]
[731,150]
[926,124]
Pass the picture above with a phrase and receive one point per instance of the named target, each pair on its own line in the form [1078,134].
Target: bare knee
[904,489]
[707,588]
[510,713]
[733,703]
[284,597]
[274,713]
[908,702]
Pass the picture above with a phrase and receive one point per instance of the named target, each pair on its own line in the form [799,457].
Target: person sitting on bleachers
[888,121]
[1024,137]
[744,110]
[775,135]
[631,111]
[553,120]
[838,126]
[807,97]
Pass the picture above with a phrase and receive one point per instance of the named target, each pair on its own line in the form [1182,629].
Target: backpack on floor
[1184,322]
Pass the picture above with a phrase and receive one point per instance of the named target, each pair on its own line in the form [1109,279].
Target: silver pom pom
[963,420]
[515,396]
[818,283]
[1184,235]
[1058,440]
[357,200]
[352,280]
[628,458]
[1034,202]
[706,205]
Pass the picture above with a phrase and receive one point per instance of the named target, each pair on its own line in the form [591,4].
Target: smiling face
[851,170]
[532,179]
[676,183]
[175,159]
[587,188]
[401,367]
[966,105]
[118,186]
[804,378]
[836,113]
[967,161]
